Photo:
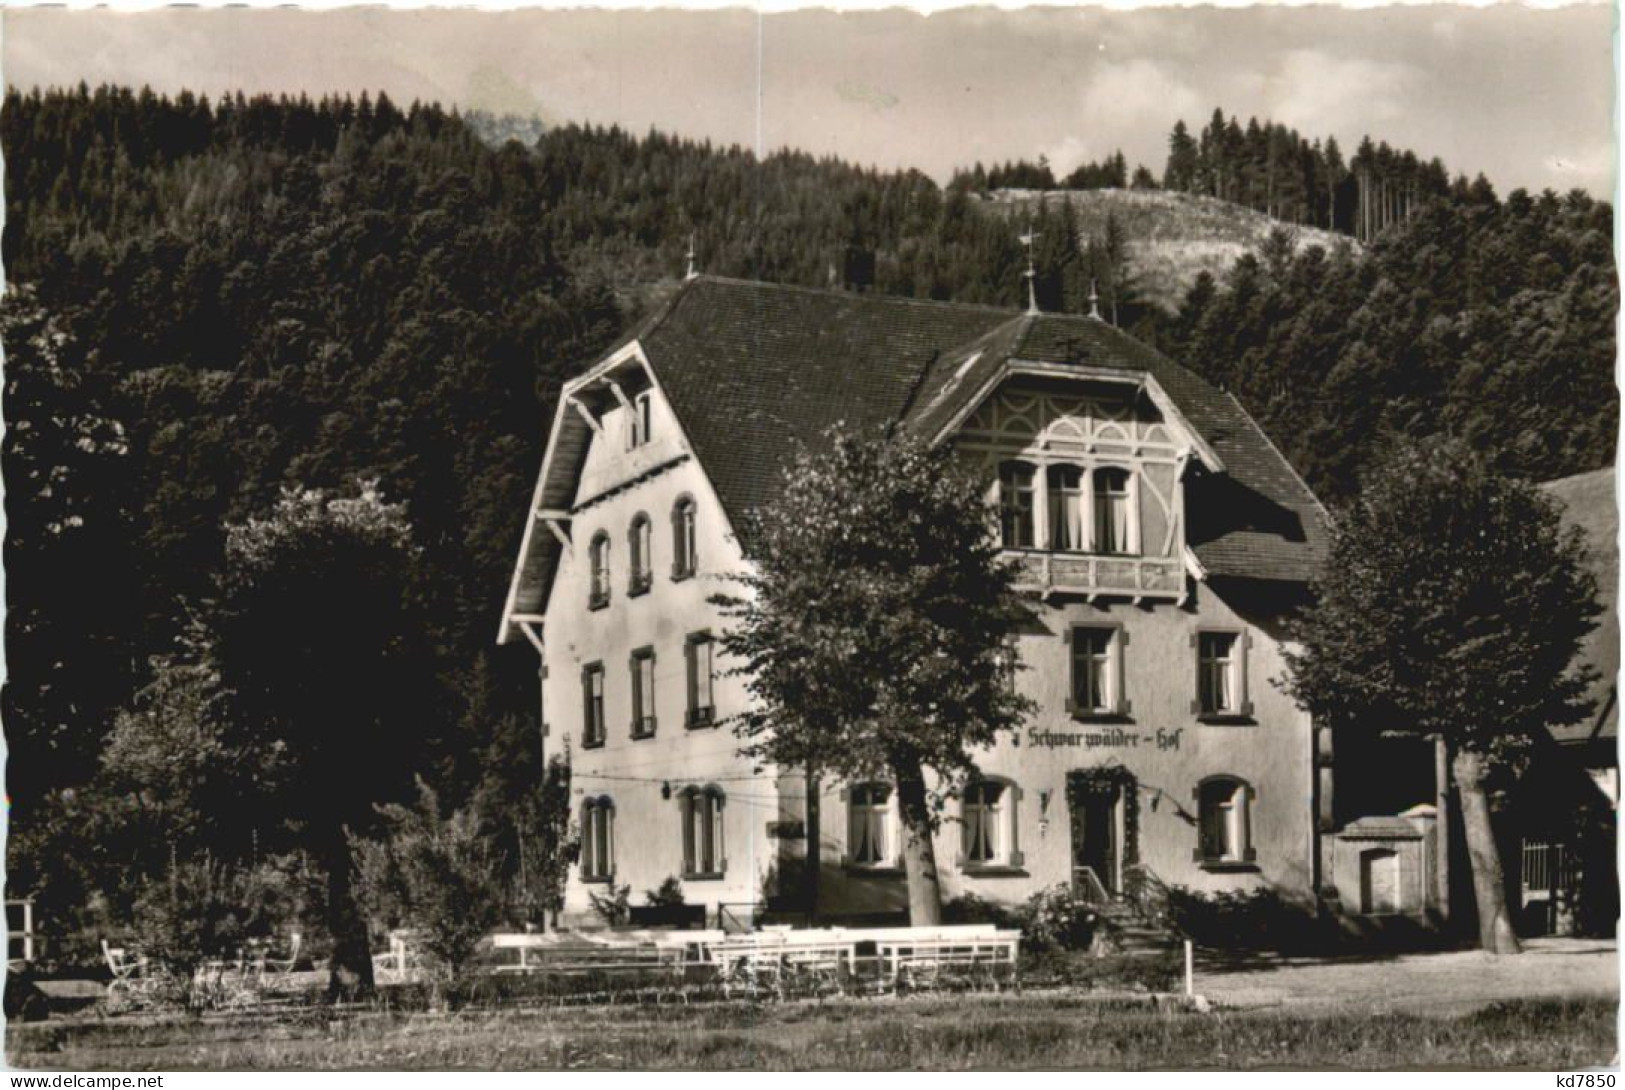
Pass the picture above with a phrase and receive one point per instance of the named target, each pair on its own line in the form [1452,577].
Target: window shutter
[688,660]
[587,738]
[1244,646]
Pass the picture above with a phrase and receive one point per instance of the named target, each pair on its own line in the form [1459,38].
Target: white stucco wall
[1161,741]
[648,833]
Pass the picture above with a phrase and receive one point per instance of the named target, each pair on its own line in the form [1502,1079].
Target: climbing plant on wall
[1109,782]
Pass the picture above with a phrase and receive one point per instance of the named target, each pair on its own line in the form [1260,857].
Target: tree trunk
[350,967]
[919,850]
[1489,890]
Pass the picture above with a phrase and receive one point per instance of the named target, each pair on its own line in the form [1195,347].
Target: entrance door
[1094,843]
[1379,882]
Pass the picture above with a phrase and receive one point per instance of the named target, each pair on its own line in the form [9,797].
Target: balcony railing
[1092,574]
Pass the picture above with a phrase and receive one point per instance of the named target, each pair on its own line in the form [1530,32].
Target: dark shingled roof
[1588,502]
[752,369]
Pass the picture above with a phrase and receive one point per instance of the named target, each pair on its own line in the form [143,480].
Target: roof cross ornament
[692,271]
[1094,300]
[1031,275]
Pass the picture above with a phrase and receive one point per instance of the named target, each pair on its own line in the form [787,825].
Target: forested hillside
[1492,321]
[213,301]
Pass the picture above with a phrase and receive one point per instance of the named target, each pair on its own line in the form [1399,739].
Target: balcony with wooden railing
[1096,575]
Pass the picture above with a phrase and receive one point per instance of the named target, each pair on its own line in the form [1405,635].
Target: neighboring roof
[1379,828]
[753,370]
[1589,502]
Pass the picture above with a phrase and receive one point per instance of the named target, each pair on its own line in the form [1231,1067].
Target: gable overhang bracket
[531,626]
[620,394]
[556,521]
[1165,404]
[586,414]
[1193,566]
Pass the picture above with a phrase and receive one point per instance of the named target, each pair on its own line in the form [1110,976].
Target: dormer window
[639,420]
[639,540]
[1114,525]
[598,559]
[1066,525]
[1016,506]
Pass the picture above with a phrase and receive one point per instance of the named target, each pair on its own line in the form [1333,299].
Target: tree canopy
[1453,604]
[875,631]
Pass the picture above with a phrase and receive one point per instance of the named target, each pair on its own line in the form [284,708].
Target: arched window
[640,421]
[1016,506]
[702,832]
[1066,527]
[598,839]
[988,814]
[684,555]
[639,540]
[1224,821]
[598,558]
[869,825]
[1114,516]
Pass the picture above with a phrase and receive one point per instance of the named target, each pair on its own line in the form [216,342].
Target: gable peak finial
[692,271]
[1031,274]
[1094,300]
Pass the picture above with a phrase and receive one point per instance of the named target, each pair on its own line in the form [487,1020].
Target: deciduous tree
[873,631]
[323,683]
[1452,605]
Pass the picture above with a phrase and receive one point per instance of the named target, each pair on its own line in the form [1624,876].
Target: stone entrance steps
[1132,933]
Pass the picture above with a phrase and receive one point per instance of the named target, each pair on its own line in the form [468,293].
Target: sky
[1525,96]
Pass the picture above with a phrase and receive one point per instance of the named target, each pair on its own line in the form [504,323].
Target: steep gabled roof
[753,370]
[1589,502]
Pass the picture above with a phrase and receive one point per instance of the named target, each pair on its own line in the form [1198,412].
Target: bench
[924,957]
[613,953]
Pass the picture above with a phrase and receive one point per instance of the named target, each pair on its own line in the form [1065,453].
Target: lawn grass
[964,1032]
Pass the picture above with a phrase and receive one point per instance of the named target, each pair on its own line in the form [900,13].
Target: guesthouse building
[1161,535]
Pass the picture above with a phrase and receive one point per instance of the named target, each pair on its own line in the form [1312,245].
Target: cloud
[1315,91]
[1119,104]
[1591,169]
